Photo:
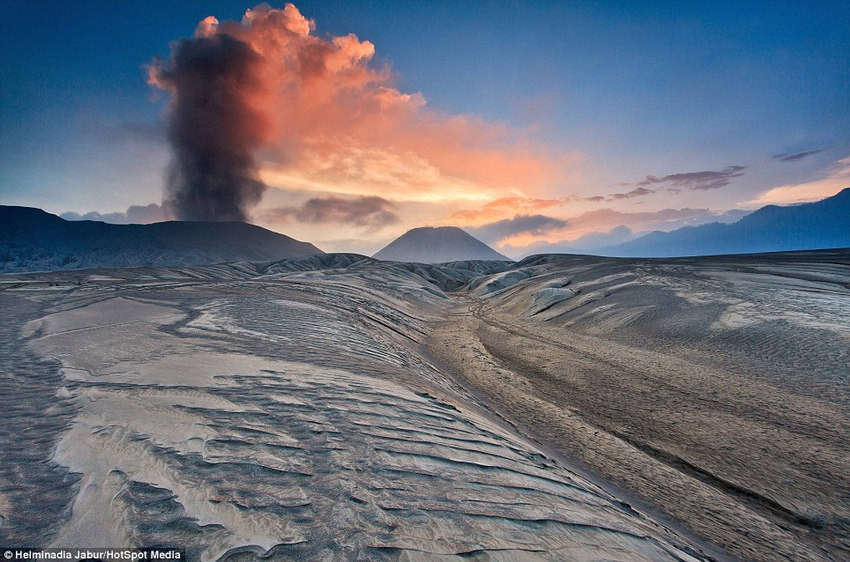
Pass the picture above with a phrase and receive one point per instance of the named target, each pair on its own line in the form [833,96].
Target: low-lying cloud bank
[370,212]
[591,230]
[135,214]
[532,225]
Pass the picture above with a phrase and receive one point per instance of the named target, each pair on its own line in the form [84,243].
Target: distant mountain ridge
[437,245]
[823,224]
[33,240]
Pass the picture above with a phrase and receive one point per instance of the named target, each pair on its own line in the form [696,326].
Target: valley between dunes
[337,407]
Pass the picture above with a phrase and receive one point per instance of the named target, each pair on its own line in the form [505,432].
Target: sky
[347,123]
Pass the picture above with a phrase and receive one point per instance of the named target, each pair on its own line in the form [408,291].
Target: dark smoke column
[213,129]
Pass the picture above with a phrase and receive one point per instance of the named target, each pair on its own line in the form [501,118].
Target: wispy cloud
[793,157]
[837,178]
[696,181]
[637,192]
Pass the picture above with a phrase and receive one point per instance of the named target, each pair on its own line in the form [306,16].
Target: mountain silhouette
[33,240]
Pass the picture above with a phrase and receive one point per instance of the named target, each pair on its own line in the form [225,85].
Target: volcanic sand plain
[340,408]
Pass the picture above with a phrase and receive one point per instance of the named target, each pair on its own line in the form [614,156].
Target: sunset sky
[523,122]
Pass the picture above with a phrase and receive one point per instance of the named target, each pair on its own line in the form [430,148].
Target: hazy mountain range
[588,243]
[810,226]
[33,240]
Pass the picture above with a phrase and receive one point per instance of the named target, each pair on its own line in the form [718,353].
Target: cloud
[594,240]
[696,181]
[529,225]
[793,157]
[586,243]
[322,115]
[637,192]
[604,221]
[135,214]
[505,207]
[837,178]
[371,212]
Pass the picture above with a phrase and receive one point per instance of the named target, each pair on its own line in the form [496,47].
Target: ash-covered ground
[340,408]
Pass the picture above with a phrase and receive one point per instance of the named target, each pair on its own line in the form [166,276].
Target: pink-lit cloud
[333,121]
[504,208]
[837,178]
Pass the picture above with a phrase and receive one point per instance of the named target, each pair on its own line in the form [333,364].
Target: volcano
[437,245]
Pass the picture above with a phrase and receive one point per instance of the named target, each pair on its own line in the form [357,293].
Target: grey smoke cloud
[214,129]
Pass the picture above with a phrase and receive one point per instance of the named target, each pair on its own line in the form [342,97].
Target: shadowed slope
[32,240]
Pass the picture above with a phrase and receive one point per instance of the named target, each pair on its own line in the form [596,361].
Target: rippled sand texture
[244,411]
[717,389]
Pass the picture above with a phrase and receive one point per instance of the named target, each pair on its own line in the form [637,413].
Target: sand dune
[716,388]
[336,407]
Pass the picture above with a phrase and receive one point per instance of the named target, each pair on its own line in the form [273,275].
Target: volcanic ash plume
[214,129]
[322,114]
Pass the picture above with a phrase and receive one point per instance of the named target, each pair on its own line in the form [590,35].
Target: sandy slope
[239,412]
[716,389]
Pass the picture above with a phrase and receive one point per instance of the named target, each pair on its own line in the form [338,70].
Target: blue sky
[622,90]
